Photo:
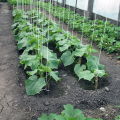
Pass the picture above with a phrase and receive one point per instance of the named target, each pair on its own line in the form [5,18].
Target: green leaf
[34,85]
[64,47]
[99,73]
[57,117]
[67,58]
[48,54]
[30,61]
[82,73]
[46,117]
[32,72]
[72,114]
[93,63]
[22,43]
[62,42]
[53,64]
[118,117]
[54,75]
[59,37]
[79,52]
[84,50]
[51,117]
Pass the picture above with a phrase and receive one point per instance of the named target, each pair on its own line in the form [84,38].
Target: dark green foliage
[105,34]
[40,61]
[69,113]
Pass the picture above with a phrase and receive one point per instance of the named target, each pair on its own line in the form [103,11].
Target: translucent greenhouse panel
[107,8]
[82,4]
[71,2]
[60,1]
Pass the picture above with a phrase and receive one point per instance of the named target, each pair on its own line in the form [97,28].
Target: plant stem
[96,82]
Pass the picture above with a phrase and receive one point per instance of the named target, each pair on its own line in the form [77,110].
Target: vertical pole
[90,9]
[75,5]
[119,16]
[64,2]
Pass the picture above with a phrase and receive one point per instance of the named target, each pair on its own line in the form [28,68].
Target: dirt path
[10,91]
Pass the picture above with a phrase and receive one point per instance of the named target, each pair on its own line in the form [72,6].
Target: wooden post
[119,16]
[90,9]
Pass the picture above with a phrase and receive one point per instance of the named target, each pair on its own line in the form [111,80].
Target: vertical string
[94,23]
[74,17]
[83,27]
[47,41]
[102,39]
[68,21]
[17,4]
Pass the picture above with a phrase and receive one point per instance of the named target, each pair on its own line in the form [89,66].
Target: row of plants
[69,113]
[38,60]
[34,34]
[15,2]
[103,33]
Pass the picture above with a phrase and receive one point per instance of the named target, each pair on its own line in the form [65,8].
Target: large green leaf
[84,50]
[51,117]
[53,64]
[79,52]
[93,63]
[72,114]
[99,73]
[117,118]
[67,58]
[34,85]
[47,53]
[30,61]
[82,73]
[54,75]
[64,47]
[59,37]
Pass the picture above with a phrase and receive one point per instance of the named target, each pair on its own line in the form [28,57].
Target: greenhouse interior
[59,59]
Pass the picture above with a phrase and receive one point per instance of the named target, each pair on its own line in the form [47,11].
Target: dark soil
[16,105]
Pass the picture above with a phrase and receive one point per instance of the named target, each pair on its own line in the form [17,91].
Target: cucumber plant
[33,45]
[72,53]
[69,113]
[31,56]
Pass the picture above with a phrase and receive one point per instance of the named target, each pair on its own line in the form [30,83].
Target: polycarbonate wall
[106,8]
[60,1]
[71,2]
[82,4]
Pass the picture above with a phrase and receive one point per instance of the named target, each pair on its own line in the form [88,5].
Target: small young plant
[69,113]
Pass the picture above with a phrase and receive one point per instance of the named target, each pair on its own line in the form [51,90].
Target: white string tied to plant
[17,4]
[47,80]
[94,23]
[83,27]
[102,39]
[68,21]
[74,17]
[63,15]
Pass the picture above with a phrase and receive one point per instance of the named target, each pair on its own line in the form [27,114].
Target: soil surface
[16,105]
